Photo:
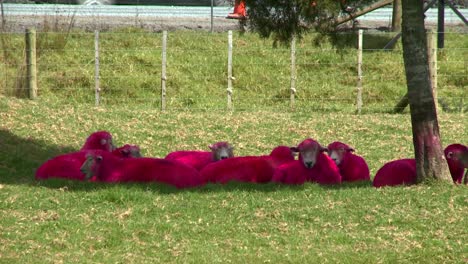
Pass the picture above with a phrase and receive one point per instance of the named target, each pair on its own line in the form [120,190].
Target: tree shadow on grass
[20,157]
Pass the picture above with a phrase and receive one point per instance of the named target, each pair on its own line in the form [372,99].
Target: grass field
[58,221]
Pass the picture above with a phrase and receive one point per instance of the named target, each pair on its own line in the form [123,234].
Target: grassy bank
[130,70]
[64,221]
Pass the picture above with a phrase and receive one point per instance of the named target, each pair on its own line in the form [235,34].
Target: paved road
[382,14]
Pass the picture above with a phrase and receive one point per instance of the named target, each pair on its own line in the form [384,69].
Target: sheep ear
[322,149]
[103,141]
[449,155]
[350,150]
[210,147]
[294,149]
[125,151]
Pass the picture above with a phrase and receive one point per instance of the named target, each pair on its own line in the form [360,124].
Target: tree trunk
[430,161]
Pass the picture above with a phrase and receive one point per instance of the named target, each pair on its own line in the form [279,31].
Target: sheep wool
[68,165]
[108,168]
[313,166]
[256,169]
[99,140]
[397,172]
[403,171]
[200,159]
[457,160]
[352,167]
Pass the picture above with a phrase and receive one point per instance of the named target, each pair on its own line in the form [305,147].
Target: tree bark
[429,155]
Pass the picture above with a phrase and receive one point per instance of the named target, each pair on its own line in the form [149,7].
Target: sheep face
[309,150]
[108,144]
[221,150]
[91,165]
[337,151]
[457,154]
[129,151]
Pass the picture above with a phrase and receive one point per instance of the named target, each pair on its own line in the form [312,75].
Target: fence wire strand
[130,73]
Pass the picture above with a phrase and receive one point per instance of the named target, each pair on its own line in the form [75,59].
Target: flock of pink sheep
[99,160]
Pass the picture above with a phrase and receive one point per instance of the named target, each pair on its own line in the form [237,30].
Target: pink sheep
[257,169]
[352,167]
[62,166]
[68,165]
[457,160]
[99,140]
[403,171]
[397,172]
[313,165]
[127,151]
[109,168]
[199,159]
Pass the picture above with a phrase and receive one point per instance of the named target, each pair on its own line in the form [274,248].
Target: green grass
[130,70]
[61,221]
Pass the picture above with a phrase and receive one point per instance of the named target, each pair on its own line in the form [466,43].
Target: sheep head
[92,164]
[337,151]
[457,155]
[283,152]
[99,140]
[128,151]
[221,150]
[308,150]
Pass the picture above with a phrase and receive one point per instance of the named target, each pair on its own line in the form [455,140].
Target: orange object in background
[239,10]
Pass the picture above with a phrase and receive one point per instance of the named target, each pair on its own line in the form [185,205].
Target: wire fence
[128,67]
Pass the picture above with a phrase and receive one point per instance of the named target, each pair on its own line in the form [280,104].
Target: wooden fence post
[163,72]
[432,57]
[440,24]
[462,102]
[293,71]
[97,88]
[31,73]
[211,16]
[359,81]
[230,77]
[396,16]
